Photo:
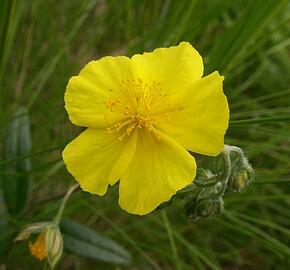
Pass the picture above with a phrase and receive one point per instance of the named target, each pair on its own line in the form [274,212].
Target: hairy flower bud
[242,173]
[207,202]
[210,207]
[204,208]
[241,180]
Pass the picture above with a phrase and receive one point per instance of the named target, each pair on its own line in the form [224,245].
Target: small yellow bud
[48,244]
[242,175]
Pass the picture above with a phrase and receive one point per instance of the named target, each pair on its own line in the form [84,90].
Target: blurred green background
[44,42]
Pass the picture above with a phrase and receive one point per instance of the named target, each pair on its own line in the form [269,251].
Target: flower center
[136,105]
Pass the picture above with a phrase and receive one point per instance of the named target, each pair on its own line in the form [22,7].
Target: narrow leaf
[6,236]
[228,48]
[86,242]
[15,174]
[10,11]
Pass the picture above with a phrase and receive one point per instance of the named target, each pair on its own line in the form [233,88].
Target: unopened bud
[48,244]
[205,203]
[242,174]
[53,245]
[204,174]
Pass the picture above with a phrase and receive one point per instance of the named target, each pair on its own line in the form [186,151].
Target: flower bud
[241,175]
[204,208]
[210,207]
[207,202]
[53,245]
[204,174]
[48,244]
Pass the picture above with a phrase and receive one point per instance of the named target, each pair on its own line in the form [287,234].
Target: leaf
[86,242]
[10,11]
[6,236]
[17,143]
[228,48]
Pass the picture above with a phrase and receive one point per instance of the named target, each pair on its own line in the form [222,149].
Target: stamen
[140,105]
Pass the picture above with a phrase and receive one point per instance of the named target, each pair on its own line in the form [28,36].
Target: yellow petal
[175,67]
[87,93]
[200,116]
[96,159]
[159,168]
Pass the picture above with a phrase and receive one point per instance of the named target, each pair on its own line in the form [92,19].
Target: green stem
[171,239]
[31,155]
[237,123]
[64,201]
[45,265]
[286,182]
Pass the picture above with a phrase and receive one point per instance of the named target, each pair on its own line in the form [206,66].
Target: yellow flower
[143,114]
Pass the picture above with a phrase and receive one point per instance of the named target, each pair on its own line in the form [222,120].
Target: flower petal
[159,168]
[86,94]
[175,67]
[96,159]
[200,117]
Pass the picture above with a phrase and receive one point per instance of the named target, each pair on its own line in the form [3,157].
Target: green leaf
[84,241]
[6,236]
[10,11]
[15,177]
[265,120]
[228,48]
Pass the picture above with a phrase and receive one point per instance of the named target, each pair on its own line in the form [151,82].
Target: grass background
[48,41]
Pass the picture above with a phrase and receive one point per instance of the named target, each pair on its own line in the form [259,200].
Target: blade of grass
[45,73]
[10,12]
[194,250]
[228,49]
[128,239]
[238,123]
[171,239]
[261,234]
[37,153]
